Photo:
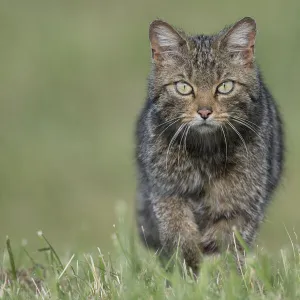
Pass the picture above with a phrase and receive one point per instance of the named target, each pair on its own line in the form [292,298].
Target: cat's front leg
[177,227]
[230,235]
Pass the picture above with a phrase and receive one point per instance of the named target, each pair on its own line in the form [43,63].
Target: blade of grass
[64,270]
[11,259]
[40,233]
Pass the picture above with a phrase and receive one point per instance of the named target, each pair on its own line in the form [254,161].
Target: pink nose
[204,112]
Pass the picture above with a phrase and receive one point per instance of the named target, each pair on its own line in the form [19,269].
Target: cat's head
[207,81]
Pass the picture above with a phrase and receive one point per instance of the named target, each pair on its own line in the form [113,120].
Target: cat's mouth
[204,122]
[208,125]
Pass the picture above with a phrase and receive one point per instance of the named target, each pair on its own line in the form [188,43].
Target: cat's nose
[205,112]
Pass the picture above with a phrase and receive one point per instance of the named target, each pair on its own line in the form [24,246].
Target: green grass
[135,273]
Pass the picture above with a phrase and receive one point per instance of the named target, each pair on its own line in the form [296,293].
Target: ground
[134,272]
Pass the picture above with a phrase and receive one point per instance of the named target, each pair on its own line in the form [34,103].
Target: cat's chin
[205,128]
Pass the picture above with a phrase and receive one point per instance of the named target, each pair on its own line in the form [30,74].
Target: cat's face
[207,82]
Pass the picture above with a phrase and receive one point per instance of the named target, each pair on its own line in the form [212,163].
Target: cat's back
[272,138]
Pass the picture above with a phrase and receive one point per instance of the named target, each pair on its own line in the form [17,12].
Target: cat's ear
[164,38]
[239,40]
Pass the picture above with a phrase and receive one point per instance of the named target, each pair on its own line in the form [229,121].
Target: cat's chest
[224,196]
[189,177]
[185,178]
[193,171]
[177,172]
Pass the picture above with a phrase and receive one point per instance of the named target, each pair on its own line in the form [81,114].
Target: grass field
[73,79]
[135,273]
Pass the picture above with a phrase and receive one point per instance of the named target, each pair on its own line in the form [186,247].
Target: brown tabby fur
[198,179]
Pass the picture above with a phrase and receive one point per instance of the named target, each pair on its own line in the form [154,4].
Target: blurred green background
[72,81]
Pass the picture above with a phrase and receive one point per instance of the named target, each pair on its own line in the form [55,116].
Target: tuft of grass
[134,272]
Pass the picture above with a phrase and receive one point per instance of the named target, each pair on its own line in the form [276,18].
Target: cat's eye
[225,87]
[183,88]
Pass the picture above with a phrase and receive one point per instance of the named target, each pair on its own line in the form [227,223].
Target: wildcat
[209,142]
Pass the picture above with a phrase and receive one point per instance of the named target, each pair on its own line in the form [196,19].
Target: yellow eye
[225,87]
[183,88]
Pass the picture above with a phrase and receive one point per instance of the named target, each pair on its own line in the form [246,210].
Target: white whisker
[242,119]
[186,138]
[240,136]
[167,128]
[184,129]
[168,121]
[172,141]
[248,126]
[225,145]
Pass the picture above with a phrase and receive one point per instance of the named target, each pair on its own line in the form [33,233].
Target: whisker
[225,145]
[246,123]
[167,128]
[240,136]
[171,142]
[248,126]
[184,130]
[242,119]
[185,149]
[169,120]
